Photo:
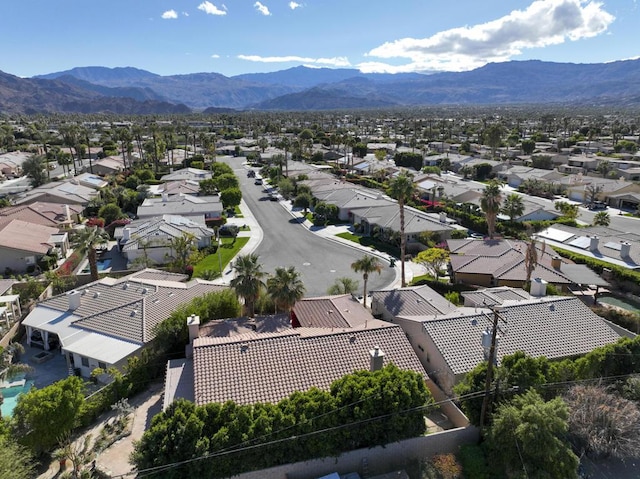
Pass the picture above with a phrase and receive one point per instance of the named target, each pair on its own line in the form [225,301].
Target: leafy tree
[303,200]
[325,211]
[110,213]
[490,205]
[231,198]
[513,206]
[433,259]
[402,189]
[183,251]
[604,424]
[86,241]
[16,461]
[226,181]
[286,187]
[366,265]
[482,171]
[343,285]
[527,436]
[409,160]
[285,288]
[493,136]
[248,280]
[208,187]
[35,168]
[604,167]
[544,162]
[42,416]
[219,169]
[601,218]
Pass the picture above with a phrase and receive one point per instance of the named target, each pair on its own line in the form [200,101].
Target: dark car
[251,174]
[228,230]
[598,205]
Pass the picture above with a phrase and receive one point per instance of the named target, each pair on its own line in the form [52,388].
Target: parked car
[598,205]
[258,181]
[251,174]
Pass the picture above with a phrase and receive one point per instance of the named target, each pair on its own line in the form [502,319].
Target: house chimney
[625,248]
[443,217]
[126,234]
[165,197]
[538,288]
[377,358]
[593,245]
[67,213]
[74,299]
[193,323]
[556,262]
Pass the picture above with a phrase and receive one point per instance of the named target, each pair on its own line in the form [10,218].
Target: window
[85,361]
[30,259]
[102,365]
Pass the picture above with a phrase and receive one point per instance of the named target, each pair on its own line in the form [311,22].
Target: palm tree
[86,241]
[490,205]
[343,285]
[601,218]
[365,265]
[285,288]
[402,188]
[248,281]
[531,260]
[513,206]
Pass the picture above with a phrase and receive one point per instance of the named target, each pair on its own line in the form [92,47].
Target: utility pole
[490,359]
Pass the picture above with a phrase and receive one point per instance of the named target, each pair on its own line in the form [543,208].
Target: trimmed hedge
[619,272]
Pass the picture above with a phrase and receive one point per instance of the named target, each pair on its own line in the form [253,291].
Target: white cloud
[210,9]
[339,62]
[170,15]
[186,14]
[262,8]
[543,23]
[215,55]
[294,5]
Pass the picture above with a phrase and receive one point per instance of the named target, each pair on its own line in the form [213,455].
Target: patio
[45,370]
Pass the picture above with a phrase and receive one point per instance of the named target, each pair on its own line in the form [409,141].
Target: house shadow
[154,409]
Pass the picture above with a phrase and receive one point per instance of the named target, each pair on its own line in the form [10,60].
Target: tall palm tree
[513,206]
[248,281]
[402,188]
[366,265]
[86,241]
[285,288]
[490,205]
[531,260]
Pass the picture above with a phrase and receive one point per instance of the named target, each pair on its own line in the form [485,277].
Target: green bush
[474,462]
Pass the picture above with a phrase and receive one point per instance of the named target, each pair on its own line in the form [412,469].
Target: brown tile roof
[554,327]
[330,312]
[29,237]
[228,328]
[413,301]
[270,369]
[129,310]
[40,212]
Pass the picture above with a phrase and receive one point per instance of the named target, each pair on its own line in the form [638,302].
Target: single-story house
[197,208]
[22,244]
[67,192]
[43,213]
[110,320]
[109,165]
[193,174]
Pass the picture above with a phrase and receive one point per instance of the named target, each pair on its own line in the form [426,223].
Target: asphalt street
[286,242]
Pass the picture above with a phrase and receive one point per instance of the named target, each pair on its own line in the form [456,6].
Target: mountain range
[133,91]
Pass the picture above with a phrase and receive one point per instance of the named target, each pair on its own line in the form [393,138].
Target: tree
[603,424]
[303,200]
[593,191]
[9,368]
[490,205]
[226,181]
[36,169]
[110,213]
[528,146]
[494,138]
[366,265]
[568,210]
[42,416]
[230,198]
[182,249]
[513,206]
[601,218]
[402,189]
[285,288]
[604,167]
[527,436]
[248,281]
[85,242]
[531,260]
[16,461]
[343,285]
[433,259]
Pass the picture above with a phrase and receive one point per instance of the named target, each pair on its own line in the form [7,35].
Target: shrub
[474,462]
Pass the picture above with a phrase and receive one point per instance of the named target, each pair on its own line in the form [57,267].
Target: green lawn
[227,252]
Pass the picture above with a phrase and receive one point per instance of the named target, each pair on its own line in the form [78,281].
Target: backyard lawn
[228,250]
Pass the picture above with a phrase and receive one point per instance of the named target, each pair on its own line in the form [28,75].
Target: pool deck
[47,372]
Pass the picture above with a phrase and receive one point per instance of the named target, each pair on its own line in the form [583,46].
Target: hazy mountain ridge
[303,88]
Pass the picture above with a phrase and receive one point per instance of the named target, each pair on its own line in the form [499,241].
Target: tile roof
[159,231]
[270,369]
[186,205]
[233,327]
[20,235]
[413,301]
[493,296]
[40,212]
[66,191]
[555,327]
[129,308]
[331,312]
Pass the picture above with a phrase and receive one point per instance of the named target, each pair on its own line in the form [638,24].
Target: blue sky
[244,36]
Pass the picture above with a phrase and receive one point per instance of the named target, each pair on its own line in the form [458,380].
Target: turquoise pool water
[11,397]
[619,302]
[102,265]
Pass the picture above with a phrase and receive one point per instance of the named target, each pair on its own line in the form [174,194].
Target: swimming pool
[623,303]
[11,397]
[102,264]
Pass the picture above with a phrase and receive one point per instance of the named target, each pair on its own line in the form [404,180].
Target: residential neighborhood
[268,269]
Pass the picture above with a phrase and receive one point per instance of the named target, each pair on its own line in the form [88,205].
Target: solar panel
[556,235]
[582,242]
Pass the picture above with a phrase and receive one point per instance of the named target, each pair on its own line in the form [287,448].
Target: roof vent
[134,312]
[552,307]
[352,338]
[330,311]
[145,290]
[96,294]
[125,285]
[244,347]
